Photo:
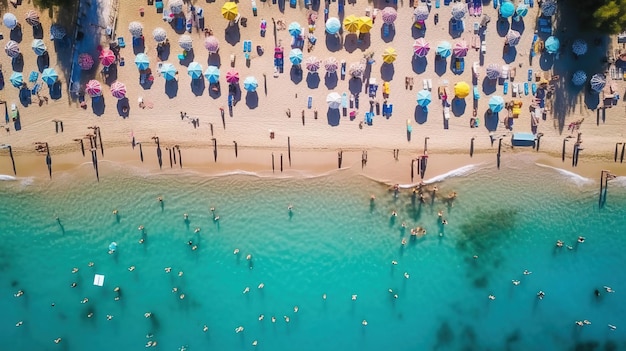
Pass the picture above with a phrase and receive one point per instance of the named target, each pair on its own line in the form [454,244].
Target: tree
[60,3]
[607,16]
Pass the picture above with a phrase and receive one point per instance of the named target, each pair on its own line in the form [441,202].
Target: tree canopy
[60,3]
[607,16]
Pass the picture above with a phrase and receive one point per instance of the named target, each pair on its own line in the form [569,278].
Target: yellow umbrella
[351,24]
[230,11]
[461,90]
[365,24]
[389,55]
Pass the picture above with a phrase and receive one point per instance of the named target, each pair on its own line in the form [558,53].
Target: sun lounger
[158,4]
[369,118]
[530,75]
[534,89]
[515,89]
[309,103]
[506,88]
[429,83]
[292,3]
[483,47]
[495,4]
[505,72]
[344,100]
[386,29]
[425,84]
[532,3]
[437,4]
[525,88]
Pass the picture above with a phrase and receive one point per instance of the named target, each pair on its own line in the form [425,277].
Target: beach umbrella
[421,47]
[356,70]
[461,90]
[295,29]
[421,13]
[423,98]
[159,34]
[12,49]
[548,8]
[185,42]
[365,24]
[312,64]
[598,82]
[50,76]
[331,65]
[493,71]
[496,103]
[459,10]
[512,37]
[175,6]
[39,47]
[142,61]
[250,84]
[389,15]
[333,25]
[57,31]
[10,21]
[507,9]
[93,88]
[212,74]
[333,100]
[168,71]
[212,44]
[351,24]
[136,29]
[32,18]
[16,79]
[389,55]
[460,49]
[552,45]
[521,10]
[295,56]
[232,77]
[194,70]
[107,57]
[579,47]
[230,11]
[579,78]
[444,49]
[85,61]
[118,90]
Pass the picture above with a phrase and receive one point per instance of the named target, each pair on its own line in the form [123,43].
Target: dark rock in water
[514,337]
[481,282]
[610,346]
[586,346]
[445,335]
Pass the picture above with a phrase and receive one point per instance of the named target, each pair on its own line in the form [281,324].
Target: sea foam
[576,178]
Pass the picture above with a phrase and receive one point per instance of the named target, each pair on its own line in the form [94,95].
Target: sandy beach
[314,142]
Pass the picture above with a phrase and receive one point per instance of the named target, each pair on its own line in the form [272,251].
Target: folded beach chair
[230,100]
[425,84]
[437,4]
[534,89]
[506,87]
[515,90]
[525,88]
[344,100]
[446,2]
[159,6]
[121,42]
[309,103]
[369,118]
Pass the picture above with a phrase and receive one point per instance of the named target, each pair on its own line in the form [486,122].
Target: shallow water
[335,242]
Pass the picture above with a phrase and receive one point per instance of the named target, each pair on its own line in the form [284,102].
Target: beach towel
[506,87]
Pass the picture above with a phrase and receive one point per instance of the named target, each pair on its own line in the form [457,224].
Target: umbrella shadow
[17,34]
[171,88]
[139,45]
[330,80]
[235,91]
[312,80]
[387,71]
[296,74]
[333,42]
[232,34]
[333,117]
[364,41]
[25,97]
[518,26]
[420,114]
[215,90]
[178,18]
[502,26]
[17,63]
[452,31]
[214,60]
[390,35]
[355,85]
[440,65]
[111,74]
[510,54]
[546,61]
[123,107]
[188,58]
[98,105]
[419,64]
[350,42]
[458,107]
[38,31]
[56,91]
[417,32]
[252,100]
[43,61]
[491,121]
[164,52]
[197,86]
[592,99]
[489,86]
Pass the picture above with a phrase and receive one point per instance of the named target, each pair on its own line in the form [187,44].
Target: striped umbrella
[389,15]
[512,37]
[295,29]
[118,90]
[212,74]
[460,49]
[175,6]
[421,13]
[444,49]
[185,42]
[16,79]
[579,78]
[312,64]
[459,10]
[168,71]
[194,70]
[212,44]
[136,29]
[493,71]
[250,84]
[93,88]
[496,103]
[50,76]
[107,57]
[32,18]
[85,61]
[295,56]
[598,82]
[39,47]
[331,65]
[356,70]
[579,47]
[548,8]
[421,47]
[12,49]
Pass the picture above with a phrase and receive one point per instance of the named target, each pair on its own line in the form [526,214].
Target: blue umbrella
[50,76]
[250,84]
[295,56]
[507,9]
[423,98]
[496,103]
[142,61]
[522,10]
[552,45]
[168,71]
[39,47]
[212,74]
[295,29]
[333,25]
[194,70]
[17,79]
[444,49]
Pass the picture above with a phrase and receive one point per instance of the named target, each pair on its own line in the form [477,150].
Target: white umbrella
[10,21]
[32,18]
[12,49]
[331,65]
[185,42]
[512,37]
[598,82]
[312,64]
[493,71]
[579,78]
[421,13]
[459,10]
[136,29]
[159,34]
[579,47]
[334,100]
[356,70]
[175,6]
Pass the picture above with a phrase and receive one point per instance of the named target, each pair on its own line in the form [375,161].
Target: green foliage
[60,3]
[607,16]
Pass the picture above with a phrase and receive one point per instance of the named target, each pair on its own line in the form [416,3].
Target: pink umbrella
[421,47]
[232,77]
[85,61]
[389,15]
[107,57]
[93,88]
[211,44]
[118,90]
[460,49]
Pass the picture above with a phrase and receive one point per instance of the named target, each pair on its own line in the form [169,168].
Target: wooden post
[234,142]
[281,163]
[289,150]
[472,147]
[272,162]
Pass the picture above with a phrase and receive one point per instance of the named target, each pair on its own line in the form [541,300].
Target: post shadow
[387,71]
[313,80]
[171,88]
[333,117]
[197,86]
[458,107]
[330,80]
[252,100]
[421,114]
[419,64]
[98,105]
[123,107]
[296,74]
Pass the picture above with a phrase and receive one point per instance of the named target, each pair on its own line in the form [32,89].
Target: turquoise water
[334,242]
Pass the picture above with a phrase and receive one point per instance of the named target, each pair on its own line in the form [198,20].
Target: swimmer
[131,268]
[612,327]
[197,230]
[74,270]
[579,323]
[255,343]
[19,323]
[236,251]
[475,256]
[147,314]
[581,239]
[168,269]
[205,328]
[390,290]
[609,289]
[395,296]
[586,322]
[216,218]
[403,241]
[296,309]
[440,213]
[570,247]
[559,243]
[444,221]
[394,213]
[239,329]
[515,282]
[141,228]
[364,322]
[354,297]
[57,340]
[160,199]
[541,295]
[149,343]
[117,289]
[180,274]
[109,317]
[73,285]
[90,264]
[84,301]
[185,216]
[117,298]
[261,317]
[246,290]
[372,198]
[286,319]
[492,297]
[406,275]
[290,207]
[141,241]
[261,286]
[115,212]
[182,296]
[527,272]
[394,262]
[249,257]
[174,289]
[194,248]
[273,319]
[323,296]
[90,314]
[212,209]
[190,243]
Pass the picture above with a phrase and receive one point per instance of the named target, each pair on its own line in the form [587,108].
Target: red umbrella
[93,88]
[107,57]
[85,61]
[232,77]
[118,90]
